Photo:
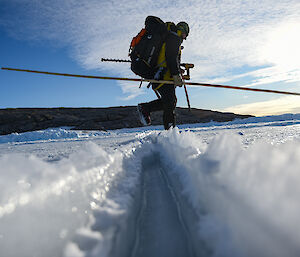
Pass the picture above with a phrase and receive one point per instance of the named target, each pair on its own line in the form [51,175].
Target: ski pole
[155,81]
[187,96]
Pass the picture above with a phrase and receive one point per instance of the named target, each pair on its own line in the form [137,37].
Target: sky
[238,43]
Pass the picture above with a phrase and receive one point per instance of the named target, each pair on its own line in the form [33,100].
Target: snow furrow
[161,231]
[180,211]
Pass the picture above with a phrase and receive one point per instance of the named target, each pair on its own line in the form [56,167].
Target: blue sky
[239,43]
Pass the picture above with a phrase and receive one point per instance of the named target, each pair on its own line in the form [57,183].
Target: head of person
[183,28]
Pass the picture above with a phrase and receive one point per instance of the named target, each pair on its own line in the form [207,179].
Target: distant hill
[30,119]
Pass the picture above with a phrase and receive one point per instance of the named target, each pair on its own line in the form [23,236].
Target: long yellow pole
[154,81]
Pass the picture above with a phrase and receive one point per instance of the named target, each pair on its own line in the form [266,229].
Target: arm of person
[173,43]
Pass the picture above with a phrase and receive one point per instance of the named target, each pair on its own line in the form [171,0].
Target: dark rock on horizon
[29,119]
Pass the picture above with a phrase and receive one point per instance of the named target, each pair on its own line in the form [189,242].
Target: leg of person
[169,101]
[157,105]
[153,106]
[145,109]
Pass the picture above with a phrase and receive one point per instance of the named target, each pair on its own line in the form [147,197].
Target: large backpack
[145,47]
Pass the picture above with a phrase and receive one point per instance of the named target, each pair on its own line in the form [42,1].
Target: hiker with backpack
[156,55]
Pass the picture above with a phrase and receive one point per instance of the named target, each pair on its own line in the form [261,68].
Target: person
[168,68]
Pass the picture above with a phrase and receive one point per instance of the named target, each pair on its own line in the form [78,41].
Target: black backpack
[145,47]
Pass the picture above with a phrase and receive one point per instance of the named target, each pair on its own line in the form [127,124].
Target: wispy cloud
[286,104]
[225,36]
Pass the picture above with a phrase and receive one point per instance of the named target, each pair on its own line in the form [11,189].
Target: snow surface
[214,189]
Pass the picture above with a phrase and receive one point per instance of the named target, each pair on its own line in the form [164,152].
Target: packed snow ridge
[215,189]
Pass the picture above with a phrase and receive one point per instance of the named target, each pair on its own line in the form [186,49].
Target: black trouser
[167,103]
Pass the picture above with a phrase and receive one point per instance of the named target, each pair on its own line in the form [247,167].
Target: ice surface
[75,193]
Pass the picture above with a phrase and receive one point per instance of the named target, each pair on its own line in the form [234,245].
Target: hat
[184,27]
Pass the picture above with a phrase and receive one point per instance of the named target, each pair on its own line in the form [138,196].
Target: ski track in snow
[160,214]
[217,189]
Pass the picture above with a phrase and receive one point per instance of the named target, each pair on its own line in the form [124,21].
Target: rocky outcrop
[30,119]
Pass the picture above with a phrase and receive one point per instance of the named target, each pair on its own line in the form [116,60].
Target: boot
[143,115]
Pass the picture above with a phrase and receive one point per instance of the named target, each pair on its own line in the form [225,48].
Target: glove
[177,81]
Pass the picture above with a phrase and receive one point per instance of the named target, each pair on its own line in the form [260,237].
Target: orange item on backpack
[137,38]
